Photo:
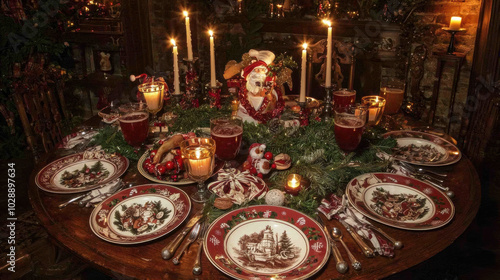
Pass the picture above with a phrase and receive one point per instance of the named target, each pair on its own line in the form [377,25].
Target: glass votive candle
[394,99]
[376,106]
[293,184]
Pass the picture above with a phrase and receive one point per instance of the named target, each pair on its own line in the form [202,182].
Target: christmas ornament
[282,161]
[275,197]
[223,203]
[239,187]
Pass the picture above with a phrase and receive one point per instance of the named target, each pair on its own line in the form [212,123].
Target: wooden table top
[70,227]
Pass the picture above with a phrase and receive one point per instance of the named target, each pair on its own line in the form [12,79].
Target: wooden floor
[475,255]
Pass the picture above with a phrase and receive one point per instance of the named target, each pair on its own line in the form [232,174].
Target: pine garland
[187,120]
[112,141]
[315,154]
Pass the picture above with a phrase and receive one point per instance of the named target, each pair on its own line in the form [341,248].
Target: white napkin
[80,138]
[98,195]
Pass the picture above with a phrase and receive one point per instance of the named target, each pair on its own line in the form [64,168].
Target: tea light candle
[200,165]
[177,89]
[302,97]
[188,37]
[376,105]
[293,184]
[455,23]
[328,78]
[212,60]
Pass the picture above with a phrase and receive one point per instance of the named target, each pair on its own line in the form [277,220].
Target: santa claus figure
[260,100]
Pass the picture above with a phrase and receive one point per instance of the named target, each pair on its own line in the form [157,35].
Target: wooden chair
[39,99]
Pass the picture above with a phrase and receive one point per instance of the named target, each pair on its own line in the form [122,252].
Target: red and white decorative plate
[81,172]
[451,154]
[266,242]
[400,201]
[140,214]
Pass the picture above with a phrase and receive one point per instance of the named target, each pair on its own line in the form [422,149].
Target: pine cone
[274,126]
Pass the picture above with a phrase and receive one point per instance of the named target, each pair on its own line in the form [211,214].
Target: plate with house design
[266,242]
[140,214]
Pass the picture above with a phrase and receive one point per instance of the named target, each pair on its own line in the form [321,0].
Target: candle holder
[376,106]
[153,93]
[303,114]
[192,82]
[214,94]
[327,112]
[293,184]
[234,107]
[451,46]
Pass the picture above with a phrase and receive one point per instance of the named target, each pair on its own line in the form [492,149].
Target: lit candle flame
[172,41]
[185,13]
[211,33]
[197,154]
[304,46]
[327,22]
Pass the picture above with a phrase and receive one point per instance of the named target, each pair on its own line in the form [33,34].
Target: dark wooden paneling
[138,47]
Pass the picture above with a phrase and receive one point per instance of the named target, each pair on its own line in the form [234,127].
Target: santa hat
[264,58]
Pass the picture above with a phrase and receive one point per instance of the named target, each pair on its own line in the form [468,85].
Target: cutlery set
[197,231]
[431,177]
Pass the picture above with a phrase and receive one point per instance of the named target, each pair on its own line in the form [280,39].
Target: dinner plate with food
[421,148]
[400,201]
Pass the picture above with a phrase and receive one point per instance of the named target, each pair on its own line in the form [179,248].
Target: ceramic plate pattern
[400,201]
[451,154]
[81,172]
[266,242]
[140,214]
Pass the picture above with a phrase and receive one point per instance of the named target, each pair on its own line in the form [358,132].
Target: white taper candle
[177,89]
[302,97]
[212,59]
[188,37]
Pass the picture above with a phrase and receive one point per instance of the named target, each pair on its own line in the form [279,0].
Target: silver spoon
[337,234]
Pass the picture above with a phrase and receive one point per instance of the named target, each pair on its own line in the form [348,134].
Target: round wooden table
[70,227]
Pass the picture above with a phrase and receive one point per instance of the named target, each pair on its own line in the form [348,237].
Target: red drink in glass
[348,133]
[227,138]
[343,98]
[135,127]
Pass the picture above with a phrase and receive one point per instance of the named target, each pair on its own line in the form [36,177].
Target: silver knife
[168,251]
[367,251]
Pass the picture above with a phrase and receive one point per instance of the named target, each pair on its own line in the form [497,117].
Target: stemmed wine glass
[153,93]
[198,155]
[349,126]
[227,133]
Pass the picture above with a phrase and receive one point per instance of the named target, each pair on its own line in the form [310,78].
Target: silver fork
[421,170]
[200,240]
[191,238]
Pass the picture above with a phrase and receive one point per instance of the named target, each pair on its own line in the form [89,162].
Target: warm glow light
[172,41]
[327,22]
[304,46]
[211,32]
[197,154]
[185,13]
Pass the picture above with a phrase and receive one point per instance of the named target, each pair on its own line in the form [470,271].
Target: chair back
[39,99]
